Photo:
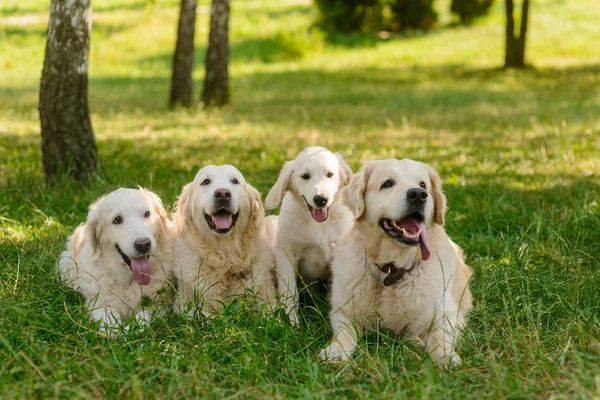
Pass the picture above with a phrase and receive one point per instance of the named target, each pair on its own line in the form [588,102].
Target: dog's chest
[408,304]
[227,273]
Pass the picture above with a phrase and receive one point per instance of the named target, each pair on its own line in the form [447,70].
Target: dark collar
[395,274]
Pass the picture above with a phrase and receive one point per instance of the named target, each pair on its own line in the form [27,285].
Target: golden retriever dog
[311,220]
[397,268]
[120,254]
[224,244]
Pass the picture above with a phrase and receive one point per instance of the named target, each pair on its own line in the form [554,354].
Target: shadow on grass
[451,93]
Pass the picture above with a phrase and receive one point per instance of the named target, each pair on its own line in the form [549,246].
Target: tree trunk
[523,33]
[68,144]
[183,59]
[510,34]
[515,46]
[216,82]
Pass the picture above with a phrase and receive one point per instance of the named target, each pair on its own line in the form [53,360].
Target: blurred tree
[346,15]
[515,46]
[413,14]
[469,10]
[68,143]
[183,58]
[216,82]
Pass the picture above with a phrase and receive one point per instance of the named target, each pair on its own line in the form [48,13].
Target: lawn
[519,153]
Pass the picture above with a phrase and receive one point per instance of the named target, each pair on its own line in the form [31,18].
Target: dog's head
[315,176]
[215,200]
[128,222]
[402,197]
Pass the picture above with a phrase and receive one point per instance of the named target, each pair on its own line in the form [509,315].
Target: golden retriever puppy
[397,264]
[121,253]
[223,247]
[311,221]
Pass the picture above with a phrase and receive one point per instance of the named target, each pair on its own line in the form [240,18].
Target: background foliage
[518,152]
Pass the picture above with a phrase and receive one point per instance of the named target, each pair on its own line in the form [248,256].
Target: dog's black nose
[142,245]
[320,201]
[222,195]
[417,196]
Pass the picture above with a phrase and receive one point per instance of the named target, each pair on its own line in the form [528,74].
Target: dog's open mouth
[409,231]
[318,214]
[141,267]
[221,221]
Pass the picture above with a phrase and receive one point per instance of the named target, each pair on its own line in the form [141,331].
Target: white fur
[93,266]
[303,244]
[211,268]
[431,302]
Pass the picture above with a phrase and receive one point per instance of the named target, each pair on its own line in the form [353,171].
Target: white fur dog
[223,248]
[397,263]
[121,253]
[311,220]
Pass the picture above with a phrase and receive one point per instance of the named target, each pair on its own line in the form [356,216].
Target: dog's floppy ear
[93,225]
[439,199]
[345,171]
[183,206]
[254,199]
[282,185]
[256,214]
[354,193]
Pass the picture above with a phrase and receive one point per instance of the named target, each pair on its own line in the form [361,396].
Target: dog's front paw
[334,352]
[447,360]
[110,321]
[294,320]
[454,360]
[143,317]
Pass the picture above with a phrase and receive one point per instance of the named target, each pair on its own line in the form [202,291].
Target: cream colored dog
[121,253]
[223,247]
[311,220]
[397,263]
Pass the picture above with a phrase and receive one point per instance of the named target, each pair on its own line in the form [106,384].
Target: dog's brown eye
[305,176]
[330,174]
[118,220]
[205,182]
[423,185]
[235,181]
[147,214]
[388,184]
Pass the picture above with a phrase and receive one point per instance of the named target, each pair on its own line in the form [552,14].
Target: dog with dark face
[397,268]
[311,221]
[223,247]
[120,254]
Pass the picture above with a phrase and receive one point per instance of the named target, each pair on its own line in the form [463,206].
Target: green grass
[518,151]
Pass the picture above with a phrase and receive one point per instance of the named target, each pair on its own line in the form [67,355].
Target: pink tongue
[141,268]
[319,214]
[423,242]
[222,221]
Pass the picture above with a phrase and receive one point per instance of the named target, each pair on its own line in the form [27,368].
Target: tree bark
[183,59]
[523,33]
[216,82]
[68,143]
[510,34]
[515,46]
